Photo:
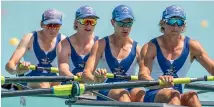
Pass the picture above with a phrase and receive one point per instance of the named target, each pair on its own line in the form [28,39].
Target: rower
[38,48]
[170,56]
[73,52]
[118,54]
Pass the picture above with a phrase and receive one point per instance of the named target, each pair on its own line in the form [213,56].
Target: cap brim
[124,17]
[174,15]
[88,15]
[52,21]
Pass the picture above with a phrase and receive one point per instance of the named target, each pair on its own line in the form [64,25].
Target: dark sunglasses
[172,22]
[53,26]
[124,24]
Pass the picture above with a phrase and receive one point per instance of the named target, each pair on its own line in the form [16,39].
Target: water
[19,18]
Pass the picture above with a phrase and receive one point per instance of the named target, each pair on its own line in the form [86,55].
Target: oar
[199,86]
[77,89]
[56,78]
[123,77]
[49,69]
[26,79]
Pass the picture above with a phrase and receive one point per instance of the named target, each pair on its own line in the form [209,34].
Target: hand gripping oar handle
[34,67]
[54,78]
[189,80]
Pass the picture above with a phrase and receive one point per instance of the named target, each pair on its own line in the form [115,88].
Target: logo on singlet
[119,71]
[45,61]
[171,71]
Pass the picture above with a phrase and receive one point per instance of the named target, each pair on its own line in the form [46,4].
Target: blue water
[19,18]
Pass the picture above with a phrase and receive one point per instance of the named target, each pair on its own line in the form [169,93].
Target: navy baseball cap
[122,12]
[52,16]
[85,11]
[172,11]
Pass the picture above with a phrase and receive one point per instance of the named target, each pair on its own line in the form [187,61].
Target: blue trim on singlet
[116,67]
[43,59]
[168,68]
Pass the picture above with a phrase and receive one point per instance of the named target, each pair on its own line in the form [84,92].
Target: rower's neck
[83,39]
[171,42]
[120,41]
[47,39]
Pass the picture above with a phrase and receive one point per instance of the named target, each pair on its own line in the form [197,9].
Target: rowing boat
[85,99]
[41,101]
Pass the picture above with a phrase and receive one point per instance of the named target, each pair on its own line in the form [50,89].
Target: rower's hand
[168,80]
[79,74]
[100,75]
[22,67]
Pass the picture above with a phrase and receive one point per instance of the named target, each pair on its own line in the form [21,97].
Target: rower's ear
[112,22]
[41,24]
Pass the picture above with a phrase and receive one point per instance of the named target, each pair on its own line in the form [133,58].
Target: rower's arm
[92,62]
[18,54]
[147,54]
[63,53]
[198,52]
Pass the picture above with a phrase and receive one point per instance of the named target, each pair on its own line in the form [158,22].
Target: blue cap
[173,11]
[85,11]
[122,12]
[52,16]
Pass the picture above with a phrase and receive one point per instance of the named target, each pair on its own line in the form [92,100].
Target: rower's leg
[168,96]
[54,83]
[119,95]
[137,95]
[190,99]
[39,85]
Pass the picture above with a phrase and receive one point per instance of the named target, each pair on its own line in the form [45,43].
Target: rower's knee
[168,96]
[120,95]
[39,85]
[137,95]
[190,99]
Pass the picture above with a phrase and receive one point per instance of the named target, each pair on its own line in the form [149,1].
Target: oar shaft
[40,79]
[199,86]
[26,92]
[34,67]
[117,85]
[123,77]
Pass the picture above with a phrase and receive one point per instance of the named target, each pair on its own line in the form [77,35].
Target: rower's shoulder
[195,46]
[101,42]
[148,49]
[193,43]
[27,38]
[63,36]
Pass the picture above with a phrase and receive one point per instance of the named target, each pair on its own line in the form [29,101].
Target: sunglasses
[52,26]
[172,22]
[92,22]
[124,24]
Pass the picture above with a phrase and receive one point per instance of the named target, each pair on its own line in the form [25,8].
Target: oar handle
[2,80]
[189,80]
[34,67]
[177,81]
[110,75]
[210,78]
